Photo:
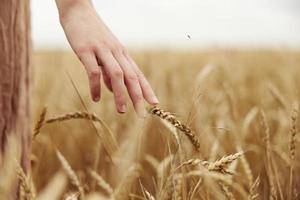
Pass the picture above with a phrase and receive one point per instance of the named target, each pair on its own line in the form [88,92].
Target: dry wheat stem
[177,124]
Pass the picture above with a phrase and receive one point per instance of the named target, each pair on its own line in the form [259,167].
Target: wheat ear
[227,191]
[293,133]
[71,174]
[101,182]
[26,192]
[253,193]
[123,189]
[177,124]
[246,167]
[40,122]
[109,142]
[218,166]
[266,128]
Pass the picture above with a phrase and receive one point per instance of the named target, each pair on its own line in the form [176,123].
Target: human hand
[100,51]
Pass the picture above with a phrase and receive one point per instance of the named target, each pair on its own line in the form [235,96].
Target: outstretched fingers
[120,72]
[116,77]
[148,92]
[94,74]
[132,84]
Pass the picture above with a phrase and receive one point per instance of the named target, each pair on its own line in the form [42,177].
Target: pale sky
[167,23]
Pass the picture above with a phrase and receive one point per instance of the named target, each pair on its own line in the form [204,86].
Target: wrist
[65,7]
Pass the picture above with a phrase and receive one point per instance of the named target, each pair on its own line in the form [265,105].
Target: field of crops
[226,128]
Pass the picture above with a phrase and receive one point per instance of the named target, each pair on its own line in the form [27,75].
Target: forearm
[65,6]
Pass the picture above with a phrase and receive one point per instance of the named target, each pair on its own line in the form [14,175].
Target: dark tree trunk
[14,75]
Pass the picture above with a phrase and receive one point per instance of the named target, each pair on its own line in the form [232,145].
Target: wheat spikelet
[163,166]
[223,178]
[173,131]
[246,167]
[218,166]
[72,196]
[196,187]
[109,141]
[248,119]
[227,191]
[63,117]
[40,122]
[154,163]
[176,123]
[101,182]
[221,164]
[166,193]
[55,187]
[178,184]
[149,196]
[278,96]
[71,174]
[26,192]
[266,128]
[124,187]
[253,192]
[293,133]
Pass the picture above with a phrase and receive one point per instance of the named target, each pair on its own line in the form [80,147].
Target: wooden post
[15,47]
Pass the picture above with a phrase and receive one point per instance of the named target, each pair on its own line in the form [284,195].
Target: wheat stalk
[177,124]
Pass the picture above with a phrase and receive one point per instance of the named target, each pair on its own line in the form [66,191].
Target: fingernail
[123,109]
[96,98]
[155,100]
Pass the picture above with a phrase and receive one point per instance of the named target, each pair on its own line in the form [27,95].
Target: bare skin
[103,55]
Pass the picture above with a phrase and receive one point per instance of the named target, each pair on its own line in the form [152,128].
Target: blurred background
[217,65]
[183,23]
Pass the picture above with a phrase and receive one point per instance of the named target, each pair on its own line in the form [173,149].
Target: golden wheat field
[226,127]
